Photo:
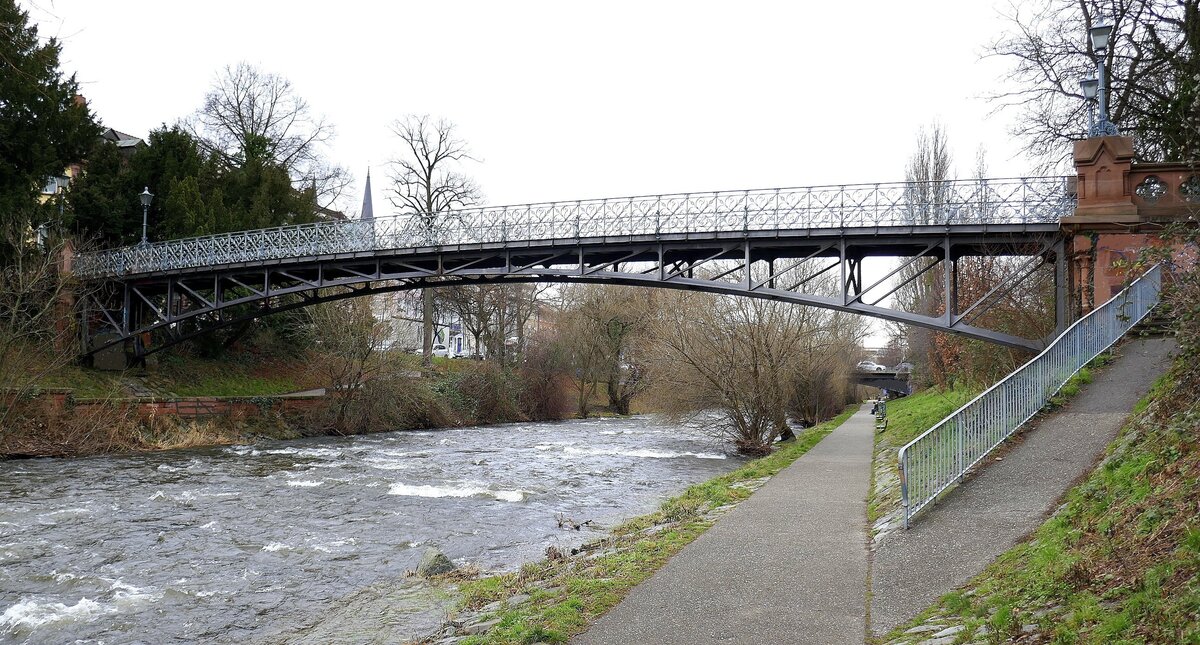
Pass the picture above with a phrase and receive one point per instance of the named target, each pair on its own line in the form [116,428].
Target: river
[246,543]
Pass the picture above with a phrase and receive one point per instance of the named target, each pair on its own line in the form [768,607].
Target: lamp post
[146,199]
[1097,88]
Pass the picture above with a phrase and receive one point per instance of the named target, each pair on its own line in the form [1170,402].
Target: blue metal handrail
[941,456]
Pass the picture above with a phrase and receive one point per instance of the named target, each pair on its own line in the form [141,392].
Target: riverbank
[187,402]
[560,596]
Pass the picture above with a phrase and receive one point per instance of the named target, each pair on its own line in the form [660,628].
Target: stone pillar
[64,309]
[1102,167]
[1107,224]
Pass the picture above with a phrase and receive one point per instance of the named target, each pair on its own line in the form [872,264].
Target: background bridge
[783,244]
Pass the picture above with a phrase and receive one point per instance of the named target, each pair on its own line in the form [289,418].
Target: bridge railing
[977,201]
[941,456]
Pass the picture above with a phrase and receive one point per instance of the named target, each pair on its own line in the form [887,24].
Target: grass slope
[914,414]
[235,375]
[568,594]
[907,418]
[1119,562]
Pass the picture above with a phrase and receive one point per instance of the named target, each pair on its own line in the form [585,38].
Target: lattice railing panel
[988,201]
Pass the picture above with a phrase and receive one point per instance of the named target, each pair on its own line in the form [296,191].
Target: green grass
[233,376]
[1120,562]
[567,595]
[916,413]
[234,384]
[907,418]
[86,382]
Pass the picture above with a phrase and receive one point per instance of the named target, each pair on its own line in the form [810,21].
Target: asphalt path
[1012,496]
[788,565]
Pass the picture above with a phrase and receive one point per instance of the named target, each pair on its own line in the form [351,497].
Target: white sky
[567,100]
[572,100]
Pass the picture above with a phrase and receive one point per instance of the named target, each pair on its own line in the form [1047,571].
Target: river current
[246,543]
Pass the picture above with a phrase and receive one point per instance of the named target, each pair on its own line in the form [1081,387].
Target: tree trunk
[427,331]
[618,399]
[476,350]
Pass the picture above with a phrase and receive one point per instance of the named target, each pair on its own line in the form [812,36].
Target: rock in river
[434,563]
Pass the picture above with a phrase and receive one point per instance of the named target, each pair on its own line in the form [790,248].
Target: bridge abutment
[1123,207]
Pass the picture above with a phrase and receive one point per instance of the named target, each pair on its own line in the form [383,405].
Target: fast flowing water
[245,543]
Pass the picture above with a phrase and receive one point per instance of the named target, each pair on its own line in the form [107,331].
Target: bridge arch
[742,243]
[178,306]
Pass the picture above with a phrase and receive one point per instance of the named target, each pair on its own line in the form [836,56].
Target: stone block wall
[193,407]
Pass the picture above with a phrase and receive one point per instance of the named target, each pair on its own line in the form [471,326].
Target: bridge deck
[979,204]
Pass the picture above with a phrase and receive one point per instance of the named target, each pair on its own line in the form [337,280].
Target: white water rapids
[244,544]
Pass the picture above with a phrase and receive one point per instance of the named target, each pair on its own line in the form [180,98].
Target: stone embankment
[187,407]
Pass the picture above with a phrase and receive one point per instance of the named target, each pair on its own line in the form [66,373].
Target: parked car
[441,350]
[903,368]
[869,366]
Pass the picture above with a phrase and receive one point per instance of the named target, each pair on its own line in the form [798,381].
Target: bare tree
[1151,66]
[739,356]
[929,168]
[824,360]
[249,113]
[427,184]
[474,307]
[942,358]
[585,357]
[610,328]
[350,338]
[514,305]
[36,314]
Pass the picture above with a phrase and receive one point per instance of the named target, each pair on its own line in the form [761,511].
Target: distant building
[368,211]
[127,144]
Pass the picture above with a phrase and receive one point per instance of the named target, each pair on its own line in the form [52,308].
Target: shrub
[544,386]
[493,392]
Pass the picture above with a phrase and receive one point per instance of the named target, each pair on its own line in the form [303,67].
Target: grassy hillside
[1119,562]
[175,375]
[912,415]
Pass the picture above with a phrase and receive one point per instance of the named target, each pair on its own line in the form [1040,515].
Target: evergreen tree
[104,204]
[43,128]
[196,193]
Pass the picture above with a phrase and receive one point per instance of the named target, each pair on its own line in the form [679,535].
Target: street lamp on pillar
[1097,87]
[1090,87]
[146,199]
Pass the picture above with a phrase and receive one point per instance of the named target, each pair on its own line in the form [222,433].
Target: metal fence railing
[942,455]
[1023,200]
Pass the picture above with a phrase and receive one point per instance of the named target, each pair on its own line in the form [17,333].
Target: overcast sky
[567,100]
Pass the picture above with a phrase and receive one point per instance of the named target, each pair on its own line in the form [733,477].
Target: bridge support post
[948,282]
[1062,290]
[1122,207]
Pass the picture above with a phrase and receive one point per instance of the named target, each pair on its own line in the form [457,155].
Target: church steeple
[367,211]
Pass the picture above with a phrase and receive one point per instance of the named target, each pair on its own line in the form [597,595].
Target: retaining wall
[191,406]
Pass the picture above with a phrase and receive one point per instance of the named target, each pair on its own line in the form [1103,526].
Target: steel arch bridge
[772,244]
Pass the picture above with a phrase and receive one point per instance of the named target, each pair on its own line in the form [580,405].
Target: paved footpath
[987,515]
[788,565]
